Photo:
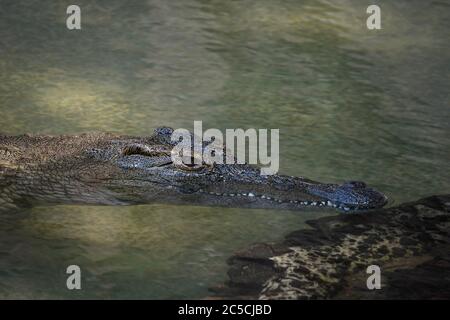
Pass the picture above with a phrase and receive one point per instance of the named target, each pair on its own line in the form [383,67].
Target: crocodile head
[146,174]
[111,169]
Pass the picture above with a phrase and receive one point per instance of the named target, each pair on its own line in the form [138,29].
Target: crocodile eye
[190,167]
[188,162]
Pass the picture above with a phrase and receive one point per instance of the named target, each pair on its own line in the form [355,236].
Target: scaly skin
[109,169]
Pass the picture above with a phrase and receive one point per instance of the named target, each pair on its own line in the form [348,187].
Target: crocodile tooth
[251,194]
[313,203]
[231,194]
[329,203]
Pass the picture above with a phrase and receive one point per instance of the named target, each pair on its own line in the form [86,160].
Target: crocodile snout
[357,194]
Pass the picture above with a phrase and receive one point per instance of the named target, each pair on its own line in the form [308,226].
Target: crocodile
[112,169]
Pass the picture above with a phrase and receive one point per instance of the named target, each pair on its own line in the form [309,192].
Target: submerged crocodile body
[410,243]
[109,169]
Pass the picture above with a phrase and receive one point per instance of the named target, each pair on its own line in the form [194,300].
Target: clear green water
[350,104]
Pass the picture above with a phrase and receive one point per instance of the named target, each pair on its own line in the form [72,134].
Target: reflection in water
[349,103]
[132,252]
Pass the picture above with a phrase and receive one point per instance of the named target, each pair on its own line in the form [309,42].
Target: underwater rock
[410,243]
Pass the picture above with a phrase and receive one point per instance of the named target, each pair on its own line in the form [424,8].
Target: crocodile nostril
[355,184]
